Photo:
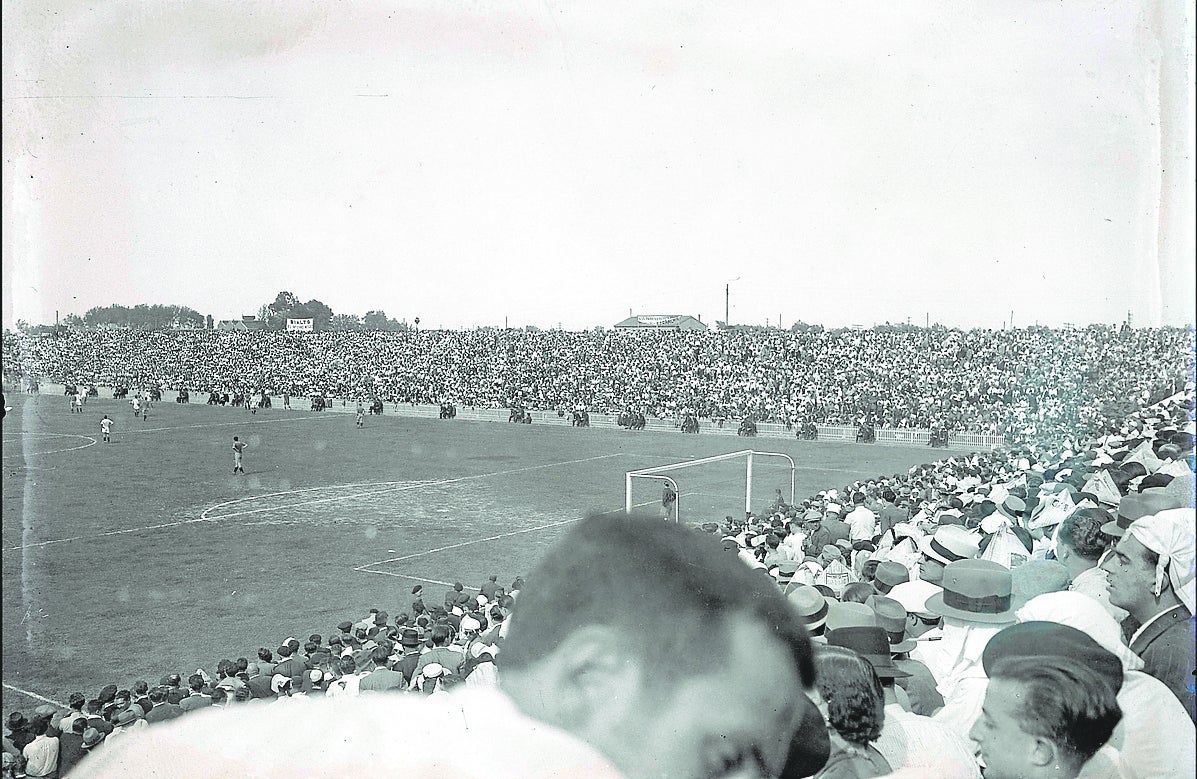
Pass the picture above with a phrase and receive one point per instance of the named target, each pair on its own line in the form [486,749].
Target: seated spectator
[851,698]
[1080,546]
[1152,577]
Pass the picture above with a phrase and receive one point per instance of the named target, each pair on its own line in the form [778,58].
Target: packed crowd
[1030,384]
[1026,612]
[426,650]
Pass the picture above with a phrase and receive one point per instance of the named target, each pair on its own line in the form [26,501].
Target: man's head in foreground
[668,656]
[1043,716]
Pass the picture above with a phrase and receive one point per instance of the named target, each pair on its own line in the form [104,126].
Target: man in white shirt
[862,522]
[41,754]
[591,685]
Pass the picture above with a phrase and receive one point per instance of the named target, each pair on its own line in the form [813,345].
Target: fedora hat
[950,544]
[889,574]
[1138,505]
[810,604]
[891,617]
[975,591]
[871,644]
[849,615]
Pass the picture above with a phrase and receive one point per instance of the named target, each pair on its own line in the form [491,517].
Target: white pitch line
[204,518]
[413,578]
[466,543]
[471,542]
[101,535]
[306,489]
[404,488]
[34,695]
[90,442]
[222,424]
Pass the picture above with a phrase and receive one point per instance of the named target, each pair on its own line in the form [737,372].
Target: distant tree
[345,323]
[376,320]
[23,326]
[209,323]
[72,320]
[285,301]
[318,312]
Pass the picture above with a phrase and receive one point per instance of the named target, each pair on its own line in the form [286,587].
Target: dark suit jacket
[1166,647]
[162,712]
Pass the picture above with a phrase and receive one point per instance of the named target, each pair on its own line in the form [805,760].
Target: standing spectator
[76,701]
[70,746]
[161,709]
[1151,576]
[197,699]
[862,522]
[41,754]
[888,513]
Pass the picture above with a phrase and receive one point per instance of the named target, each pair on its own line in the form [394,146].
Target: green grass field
[147,556]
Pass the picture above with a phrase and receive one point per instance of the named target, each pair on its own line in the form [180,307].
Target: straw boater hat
[848,615]
[975,591]
[949,544]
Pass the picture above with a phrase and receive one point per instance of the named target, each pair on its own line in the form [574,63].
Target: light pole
[726,301]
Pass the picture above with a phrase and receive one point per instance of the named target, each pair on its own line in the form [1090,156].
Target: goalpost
[655,474]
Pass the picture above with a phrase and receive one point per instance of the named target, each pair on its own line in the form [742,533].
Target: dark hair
[629,572]
[1082,532]
[1064,701]
[141,688]
[265,654]
[77,700]
[242,664]
[40,725]
[347,665]
[79,724]
[857,592]
[441,634]
[315,638]
[158,694]
[219,695]
[379,655]
[853,693]
[94,706]
[195,682]
[284,650]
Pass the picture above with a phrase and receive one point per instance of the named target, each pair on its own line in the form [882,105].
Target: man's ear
[590,677]
[1043,753]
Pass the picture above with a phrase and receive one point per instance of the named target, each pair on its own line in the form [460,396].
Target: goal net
[712,488]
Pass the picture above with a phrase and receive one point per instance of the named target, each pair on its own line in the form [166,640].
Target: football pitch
[147,555]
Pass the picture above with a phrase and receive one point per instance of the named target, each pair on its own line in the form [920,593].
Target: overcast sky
[847,163]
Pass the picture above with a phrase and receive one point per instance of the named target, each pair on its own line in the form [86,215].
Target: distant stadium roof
[662,322]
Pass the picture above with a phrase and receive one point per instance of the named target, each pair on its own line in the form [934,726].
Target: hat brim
[924,544]
[935,605]
[1113,529]
[904,645]
[885,667]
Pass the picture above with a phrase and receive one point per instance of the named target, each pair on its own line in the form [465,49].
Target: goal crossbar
[655,474]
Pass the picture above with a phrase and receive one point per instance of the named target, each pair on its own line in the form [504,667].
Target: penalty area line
[471,542]
[34,695]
